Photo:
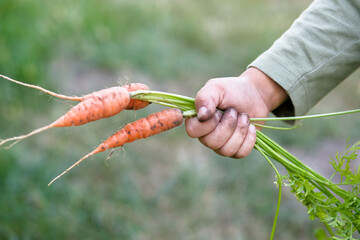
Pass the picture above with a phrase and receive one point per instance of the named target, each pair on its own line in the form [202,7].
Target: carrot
[94,106]
[101,104]
[136,104]
[133,105]
[142,128]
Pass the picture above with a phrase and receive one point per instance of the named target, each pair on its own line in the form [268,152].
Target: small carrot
[133,105]
[101,104]
[94,106]
[136,104]
[142,128]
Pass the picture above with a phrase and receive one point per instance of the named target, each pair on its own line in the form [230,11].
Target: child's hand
[230,133]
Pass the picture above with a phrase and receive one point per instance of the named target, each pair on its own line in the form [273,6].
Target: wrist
[272,93]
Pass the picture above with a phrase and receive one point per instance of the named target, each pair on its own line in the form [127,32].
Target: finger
[232,146]
[206,101]
[223,131]
[196,129]
[248,143]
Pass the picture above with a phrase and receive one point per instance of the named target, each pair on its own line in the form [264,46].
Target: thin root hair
[79,99]
[19,138]
[72,166]
[108,157]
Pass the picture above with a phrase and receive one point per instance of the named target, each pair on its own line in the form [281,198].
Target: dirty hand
[229,133]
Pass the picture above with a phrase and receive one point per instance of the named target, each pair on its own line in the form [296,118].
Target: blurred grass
[169,186]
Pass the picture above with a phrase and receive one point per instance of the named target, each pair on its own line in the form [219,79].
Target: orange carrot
[142,128]
[101,104]
[136,104]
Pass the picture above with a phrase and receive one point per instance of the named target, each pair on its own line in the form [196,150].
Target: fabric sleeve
[319,50]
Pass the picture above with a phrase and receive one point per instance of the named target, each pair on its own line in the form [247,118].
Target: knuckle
[230,118]
[243,128]
[189,128]
[192,128]
[190,132]
[245,149]
[214,145]
[243,125]
[226,152]
[212,81]
[210,143]
[240,154]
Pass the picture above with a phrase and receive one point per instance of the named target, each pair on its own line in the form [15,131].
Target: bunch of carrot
[103,104]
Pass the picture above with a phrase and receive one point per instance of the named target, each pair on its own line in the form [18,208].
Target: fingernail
[245,118]
[218,115]
[202,113]
[252,128]
[233,113]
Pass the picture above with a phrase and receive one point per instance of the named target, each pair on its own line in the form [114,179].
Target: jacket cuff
[297,104]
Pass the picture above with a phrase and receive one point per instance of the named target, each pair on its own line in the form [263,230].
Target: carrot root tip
[74,165]
[2,142]
[79,99]
[19,138]
[11,145]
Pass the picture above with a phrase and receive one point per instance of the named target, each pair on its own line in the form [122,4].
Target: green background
[168,186]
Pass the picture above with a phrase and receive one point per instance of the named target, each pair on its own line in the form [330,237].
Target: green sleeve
[319,50]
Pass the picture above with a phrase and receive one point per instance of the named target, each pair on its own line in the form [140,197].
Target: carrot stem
[279,182]
[308,116]
[277,128]
[187,104]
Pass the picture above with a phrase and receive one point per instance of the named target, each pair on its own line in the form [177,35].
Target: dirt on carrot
[153,124]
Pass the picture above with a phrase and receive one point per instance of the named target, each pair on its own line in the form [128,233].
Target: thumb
[206,101]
